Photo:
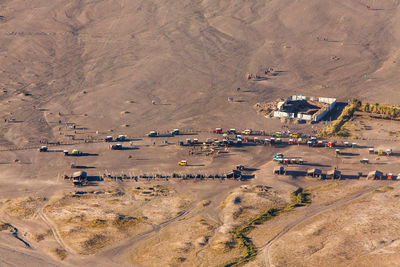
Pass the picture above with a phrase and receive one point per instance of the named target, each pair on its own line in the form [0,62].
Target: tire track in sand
[54,230]
[313,211]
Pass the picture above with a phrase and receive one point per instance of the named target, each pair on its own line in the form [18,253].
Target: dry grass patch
[59,253]
[4,226]
[94,243]
[37,237]
[325,186]
[23,208]
[96,223]
[89,221]
[123,222]
[383,189]
[182,243]
[205,203]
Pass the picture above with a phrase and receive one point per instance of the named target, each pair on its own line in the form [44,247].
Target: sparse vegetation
[97,223]
[82,220]
[383,189]
[23,208]
[299,198]
[343,126]
[237,213]
[388,111]
[94,243]
[325,186]
[205,203]
[60,253]
[123,222]
[39,236]
[4,226]
[338,126]
[180,259]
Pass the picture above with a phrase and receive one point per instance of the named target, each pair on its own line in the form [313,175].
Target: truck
[279,170]
[312,141]
[277,134]
[152,134]
[182,163]
[236,174]
[278,157]
[120,138]
[79,178]
[43,149]
[175,132]
[74,152]
[246,132]
[217,130]
[240,167]
[116,147]
[319,144]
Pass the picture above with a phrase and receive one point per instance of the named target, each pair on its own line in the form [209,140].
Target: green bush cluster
[389,111]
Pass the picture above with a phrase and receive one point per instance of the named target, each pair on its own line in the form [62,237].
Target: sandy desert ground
[129,67]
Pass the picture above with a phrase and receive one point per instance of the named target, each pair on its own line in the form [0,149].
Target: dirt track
[54,230]
[309,213]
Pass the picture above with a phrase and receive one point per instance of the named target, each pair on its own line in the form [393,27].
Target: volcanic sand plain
[100,64]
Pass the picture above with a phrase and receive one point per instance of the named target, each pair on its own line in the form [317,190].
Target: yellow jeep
[182,163]
[247,132]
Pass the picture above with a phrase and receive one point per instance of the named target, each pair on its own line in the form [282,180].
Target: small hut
[314,173]
[279,170]
[375,175]
[333,174]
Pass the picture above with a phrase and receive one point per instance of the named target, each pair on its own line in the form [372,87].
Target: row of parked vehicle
[252,132]
[287,160]
[170,133]
[119,138]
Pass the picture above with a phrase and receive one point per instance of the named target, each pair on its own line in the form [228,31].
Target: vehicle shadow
[126,148]
[247,177]
[295,173]
[94,178]
[349,154]
[82,155]
[83,167]
[250,169]
[89,154]
[316,165]
[260,79]
[353,177]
